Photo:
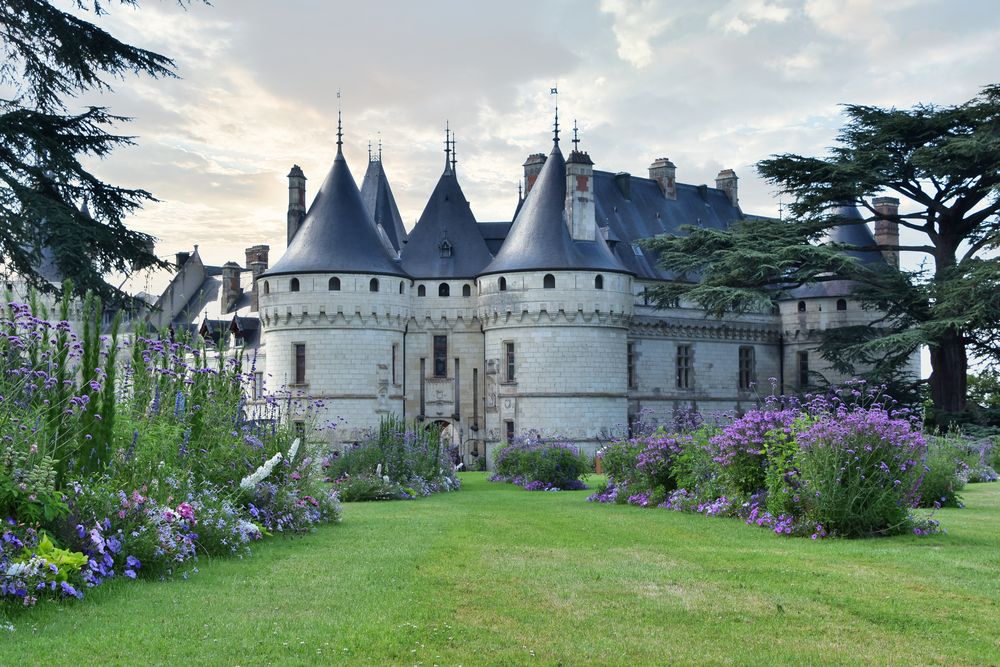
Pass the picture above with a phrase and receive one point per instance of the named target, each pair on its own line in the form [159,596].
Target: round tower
[555,306]
[333,312]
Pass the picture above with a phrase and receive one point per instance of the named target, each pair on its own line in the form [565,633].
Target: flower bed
[537,465]
[133,458]
[398,461]
[826,467]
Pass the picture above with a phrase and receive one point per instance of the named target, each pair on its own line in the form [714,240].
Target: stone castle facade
[495,329]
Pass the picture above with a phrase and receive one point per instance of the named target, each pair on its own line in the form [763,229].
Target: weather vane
[576,139]
[555,127]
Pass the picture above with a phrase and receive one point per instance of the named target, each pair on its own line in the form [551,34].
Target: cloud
[742,16]
[636,23]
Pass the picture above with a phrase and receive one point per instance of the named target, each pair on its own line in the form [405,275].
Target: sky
[711,85]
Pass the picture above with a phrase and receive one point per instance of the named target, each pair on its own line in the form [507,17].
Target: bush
[537,465]
[398,460]
[945,474]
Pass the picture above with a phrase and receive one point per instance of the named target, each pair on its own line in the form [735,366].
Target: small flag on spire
[552,91]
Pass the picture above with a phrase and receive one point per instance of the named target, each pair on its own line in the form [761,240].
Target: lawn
[498,575]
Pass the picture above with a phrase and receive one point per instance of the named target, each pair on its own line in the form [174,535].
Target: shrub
[537,465]
[397,460]
[945,474]
[32,566]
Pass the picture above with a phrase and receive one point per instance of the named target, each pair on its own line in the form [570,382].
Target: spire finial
[340,126]
[369,150]
[576,139]
[454,153]
[380,145]
[555,127]
[520,194]
[447,146]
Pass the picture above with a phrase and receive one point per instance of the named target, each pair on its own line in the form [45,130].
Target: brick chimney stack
[231,288]
[257,263]
[664,172]
[886,227]
[581,215]
[296,201]
[726,181]
[532,167]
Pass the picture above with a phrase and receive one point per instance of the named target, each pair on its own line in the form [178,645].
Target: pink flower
[186,511]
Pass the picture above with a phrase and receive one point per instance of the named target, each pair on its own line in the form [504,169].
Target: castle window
[630,364]
[373,285]
[803,369]
[444,290]
[508,358]
[599,282]
[258,385]
[509,430]
[502,283]
[421,290]
[300,428]
[445,248]
[549,281]
[841,304]
[334,284]
[294,285]
[685,367]
[299,350]
[748,368]
[395,355]
[400,286]
[466,290]
[802,306]
[440,356]
[267,287]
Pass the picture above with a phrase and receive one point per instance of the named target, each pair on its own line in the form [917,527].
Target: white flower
[260,474]
[293,450]
[378,470]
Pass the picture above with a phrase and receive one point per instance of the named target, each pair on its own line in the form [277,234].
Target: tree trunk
[949,377]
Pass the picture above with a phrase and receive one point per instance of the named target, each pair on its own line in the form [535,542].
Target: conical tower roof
[446,241]
[337,234]
[381,205]
[539,239]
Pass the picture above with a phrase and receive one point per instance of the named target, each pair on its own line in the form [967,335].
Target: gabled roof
[381,205]
[446,241]
[539,239]
[337,235]
[495,232]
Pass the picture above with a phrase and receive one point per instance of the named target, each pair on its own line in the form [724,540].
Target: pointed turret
[337,235]
[539,239]
[446,241]
[379,202]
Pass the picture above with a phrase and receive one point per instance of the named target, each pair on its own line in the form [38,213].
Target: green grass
[497,575]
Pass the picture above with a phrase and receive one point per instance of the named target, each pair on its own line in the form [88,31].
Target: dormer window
[445,247]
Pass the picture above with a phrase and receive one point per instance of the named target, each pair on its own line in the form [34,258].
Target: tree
[944,164]
[52,208]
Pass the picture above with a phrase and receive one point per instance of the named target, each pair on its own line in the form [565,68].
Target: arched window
[294,285]
[267,288]
[802,306]
[334,285]
[466,290]
[549,281]
[421,290]
[841,304]
[599,282]
[502,283]
[444,290]
[373,285]
[400,286]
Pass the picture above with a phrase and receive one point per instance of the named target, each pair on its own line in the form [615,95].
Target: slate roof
[857,234]
[495,232]
[446,217]
[539,240]
[381,205]
[337,234]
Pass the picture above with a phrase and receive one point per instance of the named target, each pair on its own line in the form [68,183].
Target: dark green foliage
[50,57]
[944,164]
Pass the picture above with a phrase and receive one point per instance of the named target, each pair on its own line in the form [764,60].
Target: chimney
[664,172]
[623,180]
[231,289]
[726,181]
[257,263]
[581,217]
[887,227]
[532,167]
[181,259]
[296,201]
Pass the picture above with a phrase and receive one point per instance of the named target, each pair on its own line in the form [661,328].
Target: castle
[494,329]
